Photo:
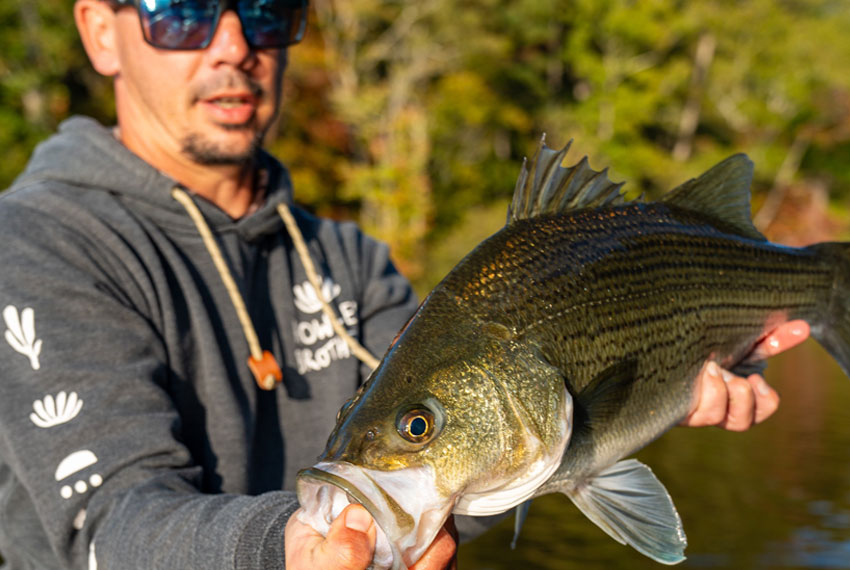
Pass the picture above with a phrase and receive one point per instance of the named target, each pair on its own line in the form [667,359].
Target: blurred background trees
[414,117]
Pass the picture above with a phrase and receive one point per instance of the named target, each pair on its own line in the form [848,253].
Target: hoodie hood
[85,154]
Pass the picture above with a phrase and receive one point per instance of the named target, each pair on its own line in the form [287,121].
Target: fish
[561,345]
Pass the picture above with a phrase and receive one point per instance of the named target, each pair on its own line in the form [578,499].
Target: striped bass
[562,344]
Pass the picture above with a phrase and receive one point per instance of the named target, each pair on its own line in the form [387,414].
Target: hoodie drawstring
[356,348]
[261,362]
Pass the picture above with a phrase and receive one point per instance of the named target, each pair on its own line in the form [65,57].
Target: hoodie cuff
[260,547]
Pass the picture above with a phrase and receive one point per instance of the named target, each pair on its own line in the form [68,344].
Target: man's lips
[231,108]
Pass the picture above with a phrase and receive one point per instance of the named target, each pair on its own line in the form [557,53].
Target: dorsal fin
[549,188]
[723,193]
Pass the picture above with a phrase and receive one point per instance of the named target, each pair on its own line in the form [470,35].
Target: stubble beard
[203,151]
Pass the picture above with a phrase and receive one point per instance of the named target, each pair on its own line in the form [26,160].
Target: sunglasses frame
[221,7]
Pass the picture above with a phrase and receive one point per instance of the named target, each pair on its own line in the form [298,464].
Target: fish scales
[563,343]
[642,281]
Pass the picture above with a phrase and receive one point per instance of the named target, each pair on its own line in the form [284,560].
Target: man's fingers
[741,409]
[752,400]
[785,336]
[350,544]
[766,398]
[710,398]
[441,554]
[300,541]
[731,402]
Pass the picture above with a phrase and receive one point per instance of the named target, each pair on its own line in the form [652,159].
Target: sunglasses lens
[178,24]
[272,23]
[190,24]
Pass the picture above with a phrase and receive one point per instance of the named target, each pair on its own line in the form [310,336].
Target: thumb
[350,544]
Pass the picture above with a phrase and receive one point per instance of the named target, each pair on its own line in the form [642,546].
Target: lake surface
[777,496]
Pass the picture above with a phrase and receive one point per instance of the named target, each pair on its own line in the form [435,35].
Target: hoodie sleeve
[93,471]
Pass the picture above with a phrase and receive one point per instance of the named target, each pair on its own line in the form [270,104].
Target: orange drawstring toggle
[266,371]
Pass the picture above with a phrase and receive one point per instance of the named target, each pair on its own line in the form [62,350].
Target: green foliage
[414,117]
[44,77]
[658,90]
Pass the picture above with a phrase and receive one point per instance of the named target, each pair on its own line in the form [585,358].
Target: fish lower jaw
[404,503]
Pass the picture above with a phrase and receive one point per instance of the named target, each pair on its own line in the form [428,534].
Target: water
[776,497]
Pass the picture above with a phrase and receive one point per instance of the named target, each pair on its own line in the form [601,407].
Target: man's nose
[229,44]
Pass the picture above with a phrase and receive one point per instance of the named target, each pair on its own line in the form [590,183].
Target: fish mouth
[404,503]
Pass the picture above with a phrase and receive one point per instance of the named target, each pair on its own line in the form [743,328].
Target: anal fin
[629,503]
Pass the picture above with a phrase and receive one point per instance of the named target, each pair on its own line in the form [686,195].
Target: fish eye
[416,425]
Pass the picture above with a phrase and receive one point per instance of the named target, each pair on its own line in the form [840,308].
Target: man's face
[212,105]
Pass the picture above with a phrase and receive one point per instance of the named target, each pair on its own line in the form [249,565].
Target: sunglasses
[191,24]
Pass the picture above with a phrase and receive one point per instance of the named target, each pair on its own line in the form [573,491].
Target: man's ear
[96,24]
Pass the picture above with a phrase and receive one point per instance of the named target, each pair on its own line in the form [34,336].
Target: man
[149,292]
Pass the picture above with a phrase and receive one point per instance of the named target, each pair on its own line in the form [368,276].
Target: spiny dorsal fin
[723,192]
[549,188]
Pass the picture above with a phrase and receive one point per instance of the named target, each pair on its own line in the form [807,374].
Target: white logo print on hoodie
[20,333]
[318,344]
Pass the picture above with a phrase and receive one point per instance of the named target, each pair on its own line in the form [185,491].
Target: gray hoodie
[132,433]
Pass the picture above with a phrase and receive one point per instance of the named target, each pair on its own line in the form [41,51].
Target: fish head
[471,424]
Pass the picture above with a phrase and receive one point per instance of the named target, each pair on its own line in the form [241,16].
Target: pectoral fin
[628,502]
[603,399]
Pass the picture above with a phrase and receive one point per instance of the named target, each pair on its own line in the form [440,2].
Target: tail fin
[833,332]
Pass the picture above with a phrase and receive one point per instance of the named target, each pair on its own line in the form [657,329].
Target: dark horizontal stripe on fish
[730,261]
[613,303]
[649,319]
[683,342]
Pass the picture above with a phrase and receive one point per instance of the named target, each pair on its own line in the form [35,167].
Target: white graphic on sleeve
[80,520]
[92,559]
[306,299]
[20,333]
[318,344]
[73,464]
[50,411]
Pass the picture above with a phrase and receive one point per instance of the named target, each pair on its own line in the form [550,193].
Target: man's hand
[350,544]
[441,555]
[735,403]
